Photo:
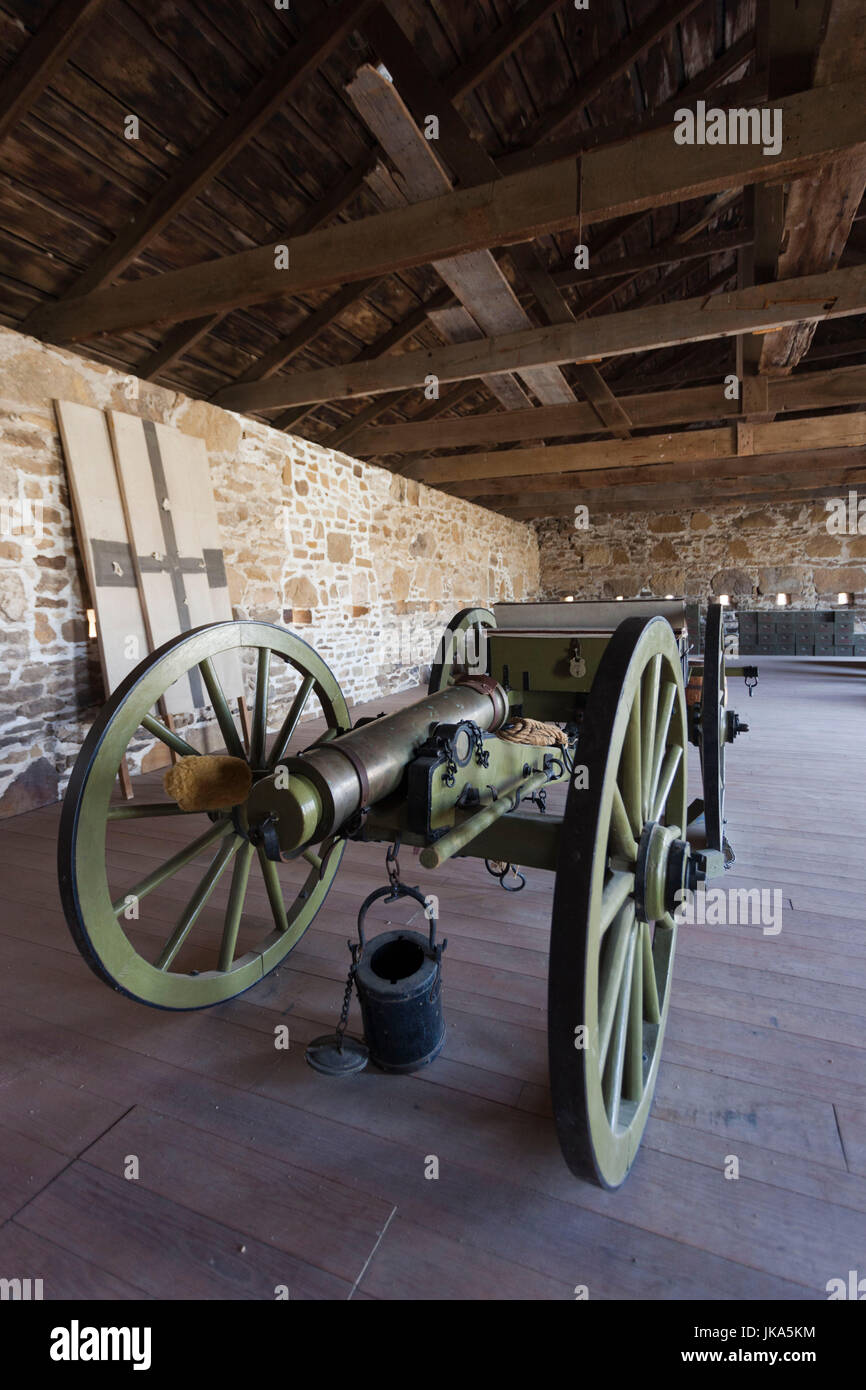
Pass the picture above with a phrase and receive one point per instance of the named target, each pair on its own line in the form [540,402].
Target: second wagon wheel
[462,623]
[152,953]
[620,862]
[714,727]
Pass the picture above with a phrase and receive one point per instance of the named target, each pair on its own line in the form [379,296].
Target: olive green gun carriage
[436,774]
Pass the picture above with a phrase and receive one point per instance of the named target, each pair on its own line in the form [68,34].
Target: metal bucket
[399,984]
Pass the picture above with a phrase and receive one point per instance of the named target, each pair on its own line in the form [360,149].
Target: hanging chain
[482,757]
[392,863]
[347,996]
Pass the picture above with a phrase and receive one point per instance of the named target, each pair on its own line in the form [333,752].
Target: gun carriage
[598,690]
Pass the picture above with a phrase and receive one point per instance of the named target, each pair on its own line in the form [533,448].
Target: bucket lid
[337,1055]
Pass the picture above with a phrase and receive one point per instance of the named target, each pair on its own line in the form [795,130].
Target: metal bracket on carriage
[704,864]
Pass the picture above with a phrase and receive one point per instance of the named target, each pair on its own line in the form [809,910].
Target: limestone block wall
[749,552]
[367,566]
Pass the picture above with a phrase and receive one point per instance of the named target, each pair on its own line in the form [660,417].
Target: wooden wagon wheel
[714,727]
[620,862]
[442,671]
[99,923]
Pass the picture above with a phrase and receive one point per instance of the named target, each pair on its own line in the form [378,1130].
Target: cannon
[585,701]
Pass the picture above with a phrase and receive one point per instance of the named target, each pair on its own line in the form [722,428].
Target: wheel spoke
[616,891]
[217,832]
[612,1081]
[630,768]
[672,760]
[169,737]
[666,709]
[623,842]
[237,894]
[274,891]
[191,912]
[650,988]
[142,810]
[290,723]
[634,1038]
[260,711]
[649,711]
[231,738]
[610,979]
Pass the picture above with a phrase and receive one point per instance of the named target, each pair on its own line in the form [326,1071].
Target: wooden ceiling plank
[224,143]
[43,54]
[838,294]
[182,337]
[745,92]
[501,44]
[475,279]
[185,336]
[292,343]
[470,164]
[614,64]
[613,181]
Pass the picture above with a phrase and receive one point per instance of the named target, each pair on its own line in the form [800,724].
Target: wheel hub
[664,869]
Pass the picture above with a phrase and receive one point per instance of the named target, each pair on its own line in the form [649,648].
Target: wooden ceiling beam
[687,446]
[553,486]
[45,52]
[649,171]
[648,410]
[671,252]
[773,488]
[838,294]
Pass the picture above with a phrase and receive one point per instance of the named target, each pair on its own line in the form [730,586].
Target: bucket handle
[391,893]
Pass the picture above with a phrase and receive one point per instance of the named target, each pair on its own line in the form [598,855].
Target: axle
[318,792]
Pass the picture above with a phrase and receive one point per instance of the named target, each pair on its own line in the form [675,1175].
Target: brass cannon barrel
[330,782]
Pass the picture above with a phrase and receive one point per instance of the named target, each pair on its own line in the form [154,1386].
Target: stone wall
[366,565]
[749,552]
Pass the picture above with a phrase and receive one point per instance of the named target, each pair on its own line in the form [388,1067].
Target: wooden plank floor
[255,1172]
